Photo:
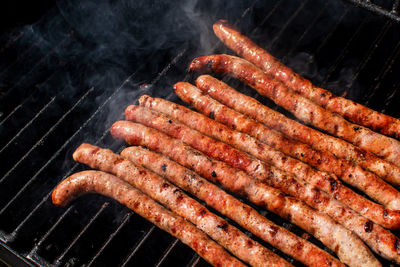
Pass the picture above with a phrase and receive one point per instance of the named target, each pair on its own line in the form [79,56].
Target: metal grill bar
[28,124]
[136,248]
[386,68]
[69,35]
[11,41]
[163,72]
[32,254]
[278,3]
[166,253]
[110,238]
[103,207]
[368,5]
[331,31]
[37,144]
[370,52]
[343,52]
[283,28]
[310,26]
[19,58]
[194,261]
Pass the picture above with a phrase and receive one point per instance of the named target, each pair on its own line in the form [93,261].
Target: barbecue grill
[68,76]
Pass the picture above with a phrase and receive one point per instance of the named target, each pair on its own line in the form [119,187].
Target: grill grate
[337,45]
[388,9]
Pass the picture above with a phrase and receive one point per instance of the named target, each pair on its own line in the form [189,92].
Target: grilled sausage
[173,198]
[303,108]
[205,104]
[215,197]
[350,110]
[374,186]
[109,185]
[293,129]
[269,174]
[343,242]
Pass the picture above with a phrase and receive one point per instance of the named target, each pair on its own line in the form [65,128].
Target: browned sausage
[215,197]
[350,110]
[205,104]
[333,235]
[269,174]
[173,198]
[109,185]
[303,108]
[372,185]
[318,140]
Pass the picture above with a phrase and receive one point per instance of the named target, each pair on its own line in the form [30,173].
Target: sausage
[303,108]
[215,197]
[174,199]
[343,242]
[329,183]
[349,109]
[268,174]
[374,186]
[293,129]
[109,185]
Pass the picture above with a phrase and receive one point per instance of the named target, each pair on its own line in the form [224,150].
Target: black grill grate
[54,97]
[388,9]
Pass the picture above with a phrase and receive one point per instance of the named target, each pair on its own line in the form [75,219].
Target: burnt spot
[165,185]
[397,244]
[213,174]
[179,198]
[135,205]
[368,226]
[210,64]
[118,161]
[350,175]
[273,230]
[385,213]
[301,154]
[173,229]
[202,212]
[211,115]
[250,243]
[142,172]
[356,128]
[223,226]
[169,121]
[334,184]
[164,167]
[335,129]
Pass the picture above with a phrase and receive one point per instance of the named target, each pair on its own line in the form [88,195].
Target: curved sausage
[343,242]
[329,183]
[173,198]
[349,109]
[109,185]
[304,109]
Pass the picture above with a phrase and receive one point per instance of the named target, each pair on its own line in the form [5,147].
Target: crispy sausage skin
[173,198]
[334,236]
[293,129]
[206,105]
[109,185]
[268,174]
[349,109]
[303,108]
[231,207]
